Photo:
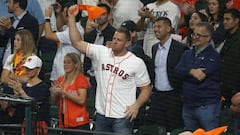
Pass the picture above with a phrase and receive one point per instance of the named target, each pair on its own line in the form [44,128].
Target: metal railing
[30,112]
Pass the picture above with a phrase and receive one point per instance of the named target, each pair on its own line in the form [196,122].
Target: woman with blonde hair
[24,46]
[13,70]
[70,92]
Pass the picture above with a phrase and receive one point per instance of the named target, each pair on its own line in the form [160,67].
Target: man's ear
[209,38]
[169,29]
[237,20]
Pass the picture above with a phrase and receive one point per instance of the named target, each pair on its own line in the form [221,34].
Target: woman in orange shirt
[70,92]
[233,4]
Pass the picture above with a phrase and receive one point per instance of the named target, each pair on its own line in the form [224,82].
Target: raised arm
[75,36]
[144,13]
[47,26]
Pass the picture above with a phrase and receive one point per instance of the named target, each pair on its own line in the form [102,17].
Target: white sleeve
[64,36]
[96,52]
[8,66]
[142,77]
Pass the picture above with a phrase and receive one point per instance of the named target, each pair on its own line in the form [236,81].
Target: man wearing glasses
[199,68]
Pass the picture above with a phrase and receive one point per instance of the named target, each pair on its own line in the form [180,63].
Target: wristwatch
[47,18]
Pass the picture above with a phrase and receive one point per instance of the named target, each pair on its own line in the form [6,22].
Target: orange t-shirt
[74,114]
[234,4]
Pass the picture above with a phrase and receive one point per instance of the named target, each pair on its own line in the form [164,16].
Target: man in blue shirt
[199,68]
[166,104]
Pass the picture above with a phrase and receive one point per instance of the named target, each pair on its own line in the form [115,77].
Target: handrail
[30,106]
[18,99]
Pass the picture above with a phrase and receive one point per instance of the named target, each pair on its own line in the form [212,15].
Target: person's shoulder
[43,84]
[100,48]
[171,3]
[29,18]
[151,4]
[81,75]
[155,45]
[82,80]
[238,32]
[212,51]
[134,57]
[178,44]
[110,28]
[10,57]
[60,78]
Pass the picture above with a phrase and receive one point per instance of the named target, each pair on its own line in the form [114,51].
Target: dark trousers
[166,110]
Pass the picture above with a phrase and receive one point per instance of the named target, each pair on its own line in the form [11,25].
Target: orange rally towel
[93,11]
[18,62]
[216,131]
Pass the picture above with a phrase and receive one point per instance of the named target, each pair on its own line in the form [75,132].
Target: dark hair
[168,22]
[165,20]
[234,12]
[22,3]
[68,5]
[63,2]
[125,31]
[208,27]
[222,7]
[105,6]
[203,18]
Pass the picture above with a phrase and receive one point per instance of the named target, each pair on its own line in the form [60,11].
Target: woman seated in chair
[34,88]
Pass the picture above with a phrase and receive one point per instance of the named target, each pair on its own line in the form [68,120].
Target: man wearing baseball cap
[130,25]
[33,62]
[34,88]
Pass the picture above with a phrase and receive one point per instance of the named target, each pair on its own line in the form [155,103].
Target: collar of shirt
[166,45]
[20,16]
[199,50]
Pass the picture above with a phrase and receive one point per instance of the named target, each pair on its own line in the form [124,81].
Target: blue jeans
[113,125]
[205,116]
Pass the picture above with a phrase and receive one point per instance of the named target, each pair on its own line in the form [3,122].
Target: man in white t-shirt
[152,11]
[118,73]
[63,38]
[125,10]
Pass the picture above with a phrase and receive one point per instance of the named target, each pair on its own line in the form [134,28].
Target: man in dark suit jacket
[21,20]
[166,104]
